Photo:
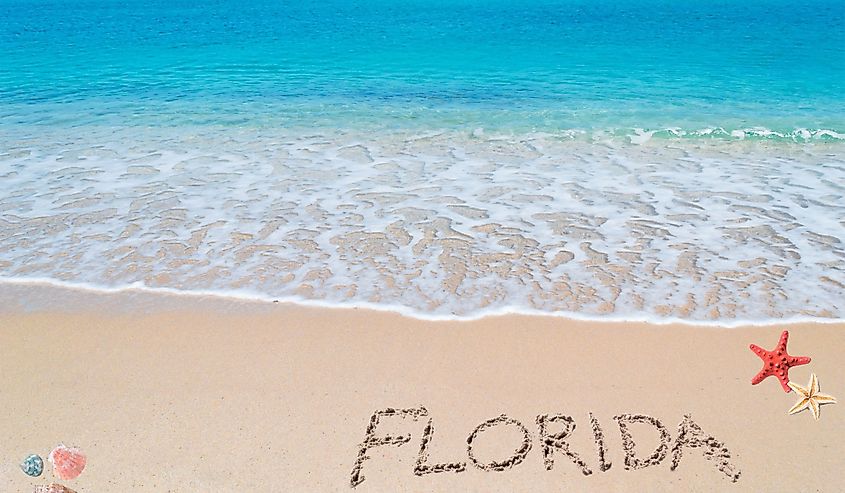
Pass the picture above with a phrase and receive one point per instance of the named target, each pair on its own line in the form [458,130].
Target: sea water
[650,159]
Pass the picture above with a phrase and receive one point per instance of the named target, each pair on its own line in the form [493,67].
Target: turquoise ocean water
[638,159]
[522,65]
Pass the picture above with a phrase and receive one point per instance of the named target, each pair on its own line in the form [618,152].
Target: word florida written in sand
[553,431]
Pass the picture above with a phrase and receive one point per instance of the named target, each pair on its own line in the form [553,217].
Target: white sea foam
[438,225]
[60,301]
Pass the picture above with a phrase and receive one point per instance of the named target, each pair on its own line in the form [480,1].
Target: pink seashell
[52,488]
[68,462]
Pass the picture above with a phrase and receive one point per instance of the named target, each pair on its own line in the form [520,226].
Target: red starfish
[777,362]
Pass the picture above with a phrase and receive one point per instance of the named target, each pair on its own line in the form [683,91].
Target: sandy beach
[174,393]
[422,246]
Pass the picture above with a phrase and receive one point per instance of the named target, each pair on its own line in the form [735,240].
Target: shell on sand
[68,462]
[33,465]
[52,488]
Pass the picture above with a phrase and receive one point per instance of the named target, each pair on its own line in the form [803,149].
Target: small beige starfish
[810,397]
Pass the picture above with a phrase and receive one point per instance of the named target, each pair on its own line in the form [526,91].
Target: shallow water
[445,223]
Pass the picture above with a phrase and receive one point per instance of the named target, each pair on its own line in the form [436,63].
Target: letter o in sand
[518,455]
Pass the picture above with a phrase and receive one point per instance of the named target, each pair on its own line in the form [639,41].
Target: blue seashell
[33,465]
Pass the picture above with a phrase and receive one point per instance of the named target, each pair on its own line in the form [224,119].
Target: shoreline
[13,287]
[167,393]
[745,232]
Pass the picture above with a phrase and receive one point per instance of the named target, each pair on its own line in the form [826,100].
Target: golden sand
[181,394]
